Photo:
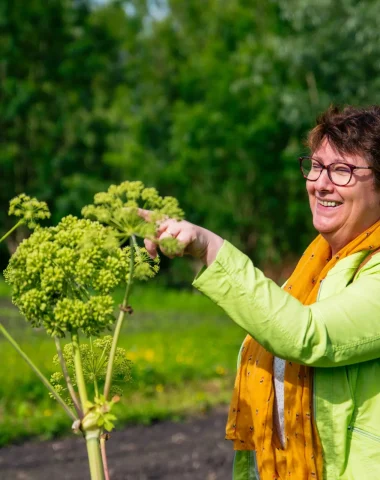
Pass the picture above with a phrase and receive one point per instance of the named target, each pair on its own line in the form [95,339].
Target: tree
[219,97]
[198,126]
[59,67]
[208,101]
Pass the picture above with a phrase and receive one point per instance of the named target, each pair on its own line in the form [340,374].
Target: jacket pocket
[364,433]
[363,454]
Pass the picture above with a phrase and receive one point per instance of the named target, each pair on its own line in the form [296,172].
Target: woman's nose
[324,182]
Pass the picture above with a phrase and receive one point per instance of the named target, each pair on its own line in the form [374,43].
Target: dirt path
[193,450]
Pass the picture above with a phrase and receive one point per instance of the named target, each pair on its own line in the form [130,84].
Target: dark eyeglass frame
[328,167]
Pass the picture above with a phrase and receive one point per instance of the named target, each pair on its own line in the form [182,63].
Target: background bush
[207,100]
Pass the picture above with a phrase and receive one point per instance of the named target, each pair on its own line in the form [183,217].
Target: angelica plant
[62,279]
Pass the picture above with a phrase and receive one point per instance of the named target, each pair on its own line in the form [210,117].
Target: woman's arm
[340,330]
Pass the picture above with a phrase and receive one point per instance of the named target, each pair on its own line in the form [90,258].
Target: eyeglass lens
[340,173]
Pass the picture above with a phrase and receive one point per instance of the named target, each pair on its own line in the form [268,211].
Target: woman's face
[356,207]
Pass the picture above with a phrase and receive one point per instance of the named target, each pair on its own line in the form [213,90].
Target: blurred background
[207,100]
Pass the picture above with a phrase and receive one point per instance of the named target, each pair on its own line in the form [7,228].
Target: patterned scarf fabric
[250,420]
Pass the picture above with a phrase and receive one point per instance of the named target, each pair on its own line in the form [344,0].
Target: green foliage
[209,101]
[60,65]
[219,98]
[207,127]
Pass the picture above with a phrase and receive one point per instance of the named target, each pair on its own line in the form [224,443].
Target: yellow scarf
[250,420]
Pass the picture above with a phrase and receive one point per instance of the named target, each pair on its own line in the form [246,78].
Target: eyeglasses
[338,172]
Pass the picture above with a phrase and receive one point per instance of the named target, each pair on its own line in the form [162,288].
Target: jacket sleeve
[340,330]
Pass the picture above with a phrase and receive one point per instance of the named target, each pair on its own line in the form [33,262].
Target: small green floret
[145,267]
[171,246]
[30,210]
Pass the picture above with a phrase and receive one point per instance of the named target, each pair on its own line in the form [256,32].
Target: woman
[306,402]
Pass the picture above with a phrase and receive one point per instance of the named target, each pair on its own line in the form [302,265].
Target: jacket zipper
[364,433]
[314,400]
[320,288]
[314,396]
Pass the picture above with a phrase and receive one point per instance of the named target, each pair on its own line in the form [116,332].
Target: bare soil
[192,450]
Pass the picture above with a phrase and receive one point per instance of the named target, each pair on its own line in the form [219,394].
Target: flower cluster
[94,356]
[29,209]
[54,271]
[119,208]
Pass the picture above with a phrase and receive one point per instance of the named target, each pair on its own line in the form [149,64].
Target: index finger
[152,216]
[145,214]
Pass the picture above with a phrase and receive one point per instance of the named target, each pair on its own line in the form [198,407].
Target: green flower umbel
[62,276]
[118,208]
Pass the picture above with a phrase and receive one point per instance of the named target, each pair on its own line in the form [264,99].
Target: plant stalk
[119,323]
[66,375]
[37,371]
[79,371]
[103,439]
[94,455]
[92,435]
[20,222]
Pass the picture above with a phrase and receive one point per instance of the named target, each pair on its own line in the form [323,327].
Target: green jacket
[339,336]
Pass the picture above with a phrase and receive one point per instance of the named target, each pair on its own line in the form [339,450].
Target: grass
[184,352]
[5,290]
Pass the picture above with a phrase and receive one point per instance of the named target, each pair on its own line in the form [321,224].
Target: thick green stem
[96,389]
[119,323]
[36,370]
[94,455]
[92,435]
[20,222]
[66,375]
[79,372]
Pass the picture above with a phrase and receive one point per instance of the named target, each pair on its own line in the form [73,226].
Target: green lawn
[184,352]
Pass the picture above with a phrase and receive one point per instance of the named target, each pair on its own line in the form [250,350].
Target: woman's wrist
[214,244]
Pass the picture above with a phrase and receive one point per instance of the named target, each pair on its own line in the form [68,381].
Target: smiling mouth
[329,203]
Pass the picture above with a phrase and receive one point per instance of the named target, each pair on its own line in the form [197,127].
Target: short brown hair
[350,130]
